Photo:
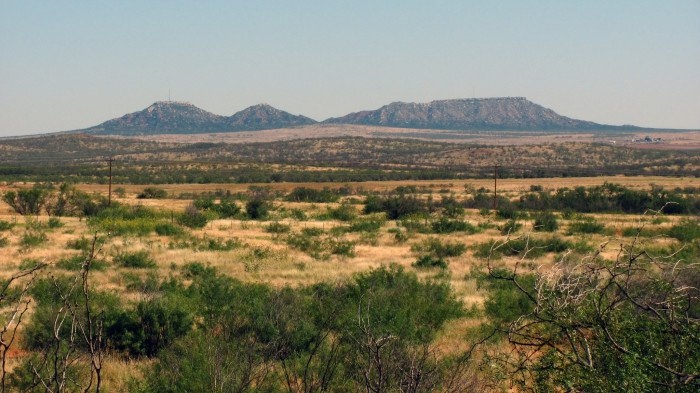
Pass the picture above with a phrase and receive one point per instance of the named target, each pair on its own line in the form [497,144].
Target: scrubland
[336,286]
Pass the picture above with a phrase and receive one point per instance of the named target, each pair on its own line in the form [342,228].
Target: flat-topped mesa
[498,113]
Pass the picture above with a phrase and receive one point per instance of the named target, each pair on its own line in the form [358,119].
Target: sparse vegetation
[315,290]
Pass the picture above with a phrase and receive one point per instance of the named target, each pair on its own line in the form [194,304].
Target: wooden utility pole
[495,187]
[109,192]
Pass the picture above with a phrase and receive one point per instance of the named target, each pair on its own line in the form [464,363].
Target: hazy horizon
[75,65]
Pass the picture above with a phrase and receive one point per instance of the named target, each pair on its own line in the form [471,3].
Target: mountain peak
[264,116]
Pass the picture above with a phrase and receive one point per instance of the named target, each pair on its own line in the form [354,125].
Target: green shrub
[4,241]
[307,243]
[29,263]
[511,226]
[297,214]
[227,209]
[134,282]
[507,212]
[32,238]
[440,249]
[82,243]
[400,236]
[218,245]
[398,304]
[150,328]
[277,227]
[305,194]
[642,232]
[395,206]
[446,225]
[257,208]
[76,263]
[168,229]
[136,259]
[545,222]
[312,231]
[341,247]
[126,220]
[505,302]
[152,193]
[373,204]
[27,201]
[121,227]
[517,246]
[587,225]
[193,218]
[344,212]
[430,261]
[54,222]
[415,223]
[366,225]
[6,225]
[451,207]
[686,230]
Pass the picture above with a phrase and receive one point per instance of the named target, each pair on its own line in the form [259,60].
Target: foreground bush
[594,325]
[315,336]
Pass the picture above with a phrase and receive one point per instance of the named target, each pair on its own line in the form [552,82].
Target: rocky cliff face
[509,113]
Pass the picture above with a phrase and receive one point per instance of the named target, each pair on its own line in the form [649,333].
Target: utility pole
[109,193]
[495,187]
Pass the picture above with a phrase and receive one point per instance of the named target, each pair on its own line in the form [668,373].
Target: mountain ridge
[175,117]
[462,114]
[498,113]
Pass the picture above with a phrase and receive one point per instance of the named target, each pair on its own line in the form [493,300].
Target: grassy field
[272,250]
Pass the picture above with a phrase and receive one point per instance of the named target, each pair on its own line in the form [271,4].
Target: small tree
[27,201]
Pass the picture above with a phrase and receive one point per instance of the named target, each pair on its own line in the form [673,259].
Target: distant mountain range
[488,114]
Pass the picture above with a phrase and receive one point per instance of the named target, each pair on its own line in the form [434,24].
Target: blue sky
[73,64]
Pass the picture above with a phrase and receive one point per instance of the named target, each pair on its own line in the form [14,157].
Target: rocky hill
[164,117]
[168,117]
[264,117]
[507,113]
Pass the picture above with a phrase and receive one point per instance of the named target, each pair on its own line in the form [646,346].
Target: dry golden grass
[266,258]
